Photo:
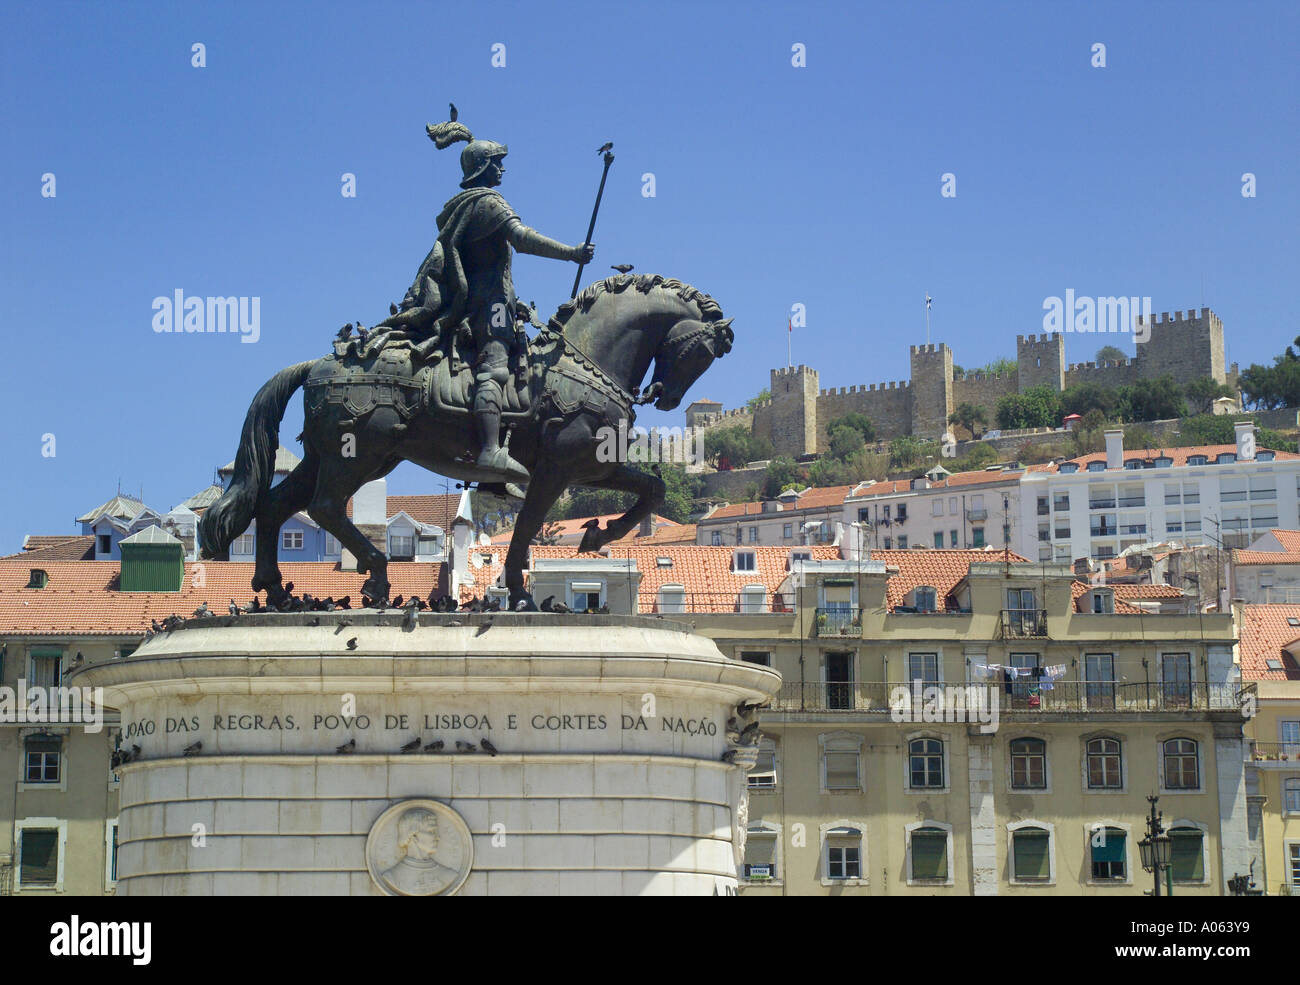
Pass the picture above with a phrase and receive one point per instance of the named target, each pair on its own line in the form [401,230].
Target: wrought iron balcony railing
[839,622]
[1020,624]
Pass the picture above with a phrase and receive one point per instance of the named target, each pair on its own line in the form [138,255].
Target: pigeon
[412,746]
[607,146]
[234,608]
[79,659]
[560,607]
[465,746]
[135,752]
[521,605]
[729,756]
[193,748]
[488,747]
[346,748]
[747,710]
[202,612]
[622,268]
[749,734]
[257,604]
[345,332]
[316,621]
[454,114]
[363,336]
[288,588]
[434,746]
[153,624]
[352,643]
[345,602]
[392,308]
[733,724]
[343,624]
[397,602]
[604,609]
[412,619]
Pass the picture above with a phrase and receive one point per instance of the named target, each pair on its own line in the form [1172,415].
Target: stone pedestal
[270,756]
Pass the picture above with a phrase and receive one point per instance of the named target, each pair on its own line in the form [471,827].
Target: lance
[591,226]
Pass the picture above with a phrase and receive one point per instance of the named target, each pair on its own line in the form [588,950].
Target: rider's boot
[487,419]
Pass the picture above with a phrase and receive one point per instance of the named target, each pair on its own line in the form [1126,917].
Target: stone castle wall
[889,405]
[1114,374]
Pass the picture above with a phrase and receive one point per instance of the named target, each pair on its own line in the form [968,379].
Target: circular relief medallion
[419,848]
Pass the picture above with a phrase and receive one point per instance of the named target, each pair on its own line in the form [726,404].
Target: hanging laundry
[1047,684]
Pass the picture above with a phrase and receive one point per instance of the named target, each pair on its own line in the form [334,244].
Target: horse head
[687,350]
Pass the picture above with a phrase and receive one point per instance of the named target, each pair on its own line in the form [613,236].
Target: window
[761,853]
[105,544]
[426,545]
[584,595]
[672,598]
[844,853]
[1024,690]
[1176,679]
[110,853]
[1188,856]
[977,536]
[925,758]
[332,546]
[902,512]
[1109,854]
[839,681]
[902,542]
[763,775]
[1042,506]
[926,598]
[39,862]
[842,763]
[47,667]
[744,561]
[888,543]
[760,657]
[753,535]
[787,530]
[715,538]
[927,854]
[864,514]
[952,538]
[41,754]
[291,540]
[1294,866]
[1029,764]
[1291,796]
[936,507]
[401,545]
[938,539]
[1181,772]
[1062,531]
[244,545]
[1104,764]
[1289,731]
[1031,854]
[923,667]
[753,598]
[1060,502]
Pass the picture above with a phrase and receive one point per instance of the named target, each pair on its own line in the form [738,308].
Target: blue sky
[775,185]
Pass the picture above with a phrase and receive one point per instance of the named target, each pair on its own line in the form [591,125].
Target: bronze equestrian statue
[431,385]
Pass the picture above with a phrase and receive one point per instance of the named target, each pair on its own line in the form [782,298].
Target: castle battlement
[1117,364]
[1177,316]
[934,348]
[974,376]
[1049,338]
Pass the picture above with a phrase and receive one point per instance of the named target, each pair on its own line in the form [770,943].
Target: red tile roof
[82,598]
[814,498]
[1178,455]
[1264,632]
[571,531]
[703,571]
[981,477]
[1124,594]
[1290,553]
[939,569]
[56,547]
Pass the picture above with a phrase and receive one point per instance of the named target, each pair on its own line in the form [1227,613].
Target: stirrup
[500,462]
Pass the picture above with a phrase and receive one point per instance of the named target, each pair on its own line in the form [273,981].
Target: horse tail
[231,514]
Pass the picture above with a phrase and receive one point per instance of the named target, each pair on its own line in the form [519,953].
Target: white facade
[937,514]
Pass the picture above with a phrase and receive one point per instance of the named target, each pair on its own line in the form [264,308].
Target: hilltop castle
[794,419]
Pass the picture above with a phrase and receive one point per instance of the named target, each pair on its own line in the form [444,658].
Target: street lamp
[1156,848]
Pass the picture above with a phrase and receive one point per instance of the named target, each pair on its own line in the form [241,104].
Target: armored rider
[468,271]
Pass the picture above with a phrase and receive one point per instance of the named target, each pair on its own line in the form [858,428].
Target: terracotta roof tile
[82,599]
[939,569]
[1178,455]
[42,547]
[1265,630]
[1290,553]
[1124,593]
[815,498]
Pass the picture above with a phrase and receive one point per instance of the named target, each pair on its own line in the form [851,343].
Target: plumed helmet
[476,156]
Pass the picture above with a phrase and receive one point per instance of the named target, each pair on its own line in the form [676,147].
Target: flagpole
[789,331]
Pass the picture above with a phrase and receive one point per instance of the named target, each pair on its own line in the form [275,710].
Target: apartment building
[795,518]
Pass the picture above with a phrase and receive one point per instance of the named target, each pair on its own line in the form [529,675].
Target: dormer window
[744,561]
[1133,463]
[1097,466]
[797,556]
[753,598]
[585,596]
[672,598]
[1103,602]
[1226,458]
[1069,468]
[37,579]
[1196,460]
[925,598]
[663,562]
[1264,456]
[1164,462]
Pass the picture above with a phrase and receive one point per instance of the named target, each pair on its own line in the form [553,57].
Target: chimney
[461,543]
[1115,449]
[647,526]
[370,515]
[1245,441]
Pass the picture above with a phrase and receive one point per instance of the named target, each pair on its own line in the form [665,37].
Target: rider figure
[476,230]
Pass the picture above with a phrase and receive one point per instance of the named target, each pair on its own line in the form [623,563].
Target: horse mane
[709,309]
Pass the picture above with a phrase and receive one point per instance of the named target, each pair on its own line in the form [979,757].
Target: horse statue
[368,407]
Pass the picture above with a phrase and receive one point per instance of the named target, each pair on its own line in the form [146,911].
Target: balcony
[1275,755]
[1102,504]
[879,698]
[669,603]
[977,515]
[839,622]
[1132,501]
[1022,624]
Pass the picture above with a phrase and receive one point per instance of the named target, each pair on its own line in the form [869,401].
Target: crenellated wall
[1109,374]
[889,405]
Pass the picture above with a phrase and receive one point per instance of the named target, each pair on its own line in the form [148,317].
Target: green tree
[969,416]
[1110,354]
[734,446]
[1000,367]
[1202,392]
[859,422]
[781,472]
[908,452]
[844,441]
[762,395]
[1152,400]
[980,455]
[1084,397]
[1037,407]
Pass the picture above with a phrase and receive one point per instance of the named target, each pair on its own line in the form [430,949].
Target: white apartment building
[1101,504]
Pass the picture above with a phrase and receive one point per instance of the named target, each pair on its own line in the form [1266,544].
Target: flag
[790,325]
[928,299]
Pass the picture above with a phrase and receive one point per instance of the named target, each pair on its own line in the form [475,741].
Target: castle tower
[1041,361]
[794,411]
[931,390]
[1186,348]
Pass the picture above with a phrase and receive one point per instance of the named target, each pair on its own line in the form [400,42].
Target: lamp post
[1156,848]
